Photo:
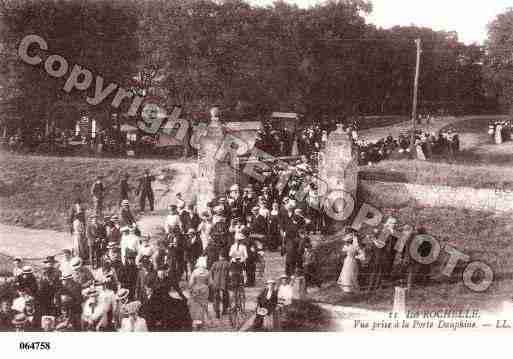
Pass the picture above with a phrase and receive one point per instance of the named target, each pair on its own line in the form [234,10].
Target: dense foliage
[499,58]
[325,61]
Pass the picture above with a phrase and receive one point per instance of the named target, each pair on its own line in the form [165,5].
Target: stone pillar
[209,144]
[399,301]
[338,168]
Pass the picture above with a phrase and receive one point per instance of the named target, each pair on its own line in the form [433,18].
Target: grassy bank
[442,174]
[38,191]
[480,235]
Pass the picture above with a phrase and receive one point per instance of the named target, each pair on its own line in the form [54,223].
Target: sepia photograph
[340,166]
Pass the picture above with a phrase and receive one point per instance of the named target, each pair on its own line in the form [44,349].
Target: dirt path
[183,175]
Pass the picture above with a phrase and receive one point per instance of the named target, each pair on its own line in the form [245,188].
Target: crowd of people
[500,130]
[371,261]
[427,144]
[116,278]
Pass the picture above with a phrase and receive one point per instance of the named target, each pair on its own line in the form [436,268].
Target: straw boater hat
[133,307]
[379,242]
[76,263]
[240,235]
[201,262]
[65,276]
[27,270]
[122,293]
[112,245]
[218,210]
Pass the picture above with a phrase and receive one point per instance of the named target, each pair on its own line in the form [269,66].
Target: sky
[469,18]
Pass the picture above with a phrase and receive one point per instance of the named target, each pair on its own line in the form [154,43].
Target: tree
[499,58]
[98,35]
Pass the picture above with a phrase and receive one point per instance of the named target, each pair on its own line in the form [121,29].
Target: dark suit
[48,287]
[290,246]
[95,234]
[176,256]
[219,278]
[269,304]
[163,313]
[186,219]
[97,191]
[126,218]
[146,191]
[124,188]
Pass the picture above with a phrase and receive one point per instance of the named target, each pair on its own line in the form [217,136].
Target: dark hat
[91,292]
[27,270]
[49,259]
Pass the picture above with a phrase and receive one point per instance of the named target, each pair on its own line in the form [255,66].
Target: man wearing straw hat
[27,280]
[94,236]
[133,323]
[49,283]
[98,193]
[81,274]
[73,292]
[94,313]
[126,218]
[267,301]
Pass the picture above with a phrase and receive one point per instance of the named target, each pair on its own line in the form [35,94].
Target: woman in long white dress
[198,284]
[78,239]
[348,279]
[204,229]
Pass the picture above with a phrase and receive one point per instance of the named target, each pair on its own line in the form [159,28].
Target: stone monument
[209,144]
[338,168]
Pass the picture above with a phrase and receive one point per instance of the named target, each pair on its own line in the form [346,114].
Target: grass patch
[441,174]
[480,235]
[305,316]
[38,191]
[368,122]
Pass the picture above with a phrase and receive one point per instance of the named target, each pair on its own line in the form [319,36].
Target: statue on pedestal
[209,144]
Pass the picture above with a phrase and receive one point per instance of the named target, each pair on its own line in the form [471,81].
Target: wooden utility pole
[415,95]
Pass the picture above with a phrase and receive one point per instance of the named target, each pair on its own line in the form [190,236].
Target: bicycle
[238,307]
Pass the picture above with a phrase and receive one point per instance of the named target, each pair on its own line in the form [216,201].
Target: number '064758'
[34,346]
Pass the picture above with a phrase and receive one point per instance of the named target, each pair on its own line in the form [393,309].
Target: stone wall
[383,194]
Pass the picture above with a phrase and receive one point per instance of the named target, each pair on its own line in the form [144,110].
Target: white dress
[78,239]
[348,279]
[205,228]
[498,134]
